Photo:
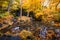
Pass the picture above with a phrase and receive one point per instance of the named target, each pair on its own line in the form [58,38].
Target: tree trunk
[28,14]
[9,4]
[20,8]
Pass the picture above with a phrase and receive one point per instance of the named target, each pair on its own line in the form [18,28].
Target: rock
[25,19]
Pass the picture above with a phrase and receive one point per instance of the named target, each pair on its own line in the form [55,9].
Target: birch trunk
[20,8]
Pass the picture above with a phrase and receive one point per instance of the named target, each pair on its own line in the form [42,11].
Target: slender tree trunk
[28,13]
[57,5]
[9,4]
[20,8]
[21,11]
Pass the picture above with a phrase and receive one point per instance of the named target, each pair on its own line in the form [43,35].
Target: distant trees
[42,9]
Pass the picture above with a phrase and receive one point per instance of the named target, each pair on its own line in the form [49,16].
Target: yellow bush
[25,33]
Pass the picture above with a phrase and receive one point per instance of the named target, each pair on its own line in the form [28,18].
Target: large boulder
[24,19]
